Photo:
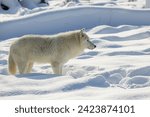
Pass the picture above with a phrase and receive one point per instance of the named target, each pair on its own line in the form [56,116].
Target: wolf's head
[85,40]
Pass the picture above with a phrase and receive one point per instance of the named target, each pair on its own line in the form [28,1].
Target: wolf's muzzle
[91,45]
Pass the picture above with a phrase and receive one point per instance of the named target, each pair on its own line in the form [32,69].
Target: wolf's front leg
[29,67]
[57,68]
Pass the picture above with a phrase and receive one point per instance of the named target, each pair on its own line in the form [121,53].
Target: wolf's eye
[82,35]
[87,40]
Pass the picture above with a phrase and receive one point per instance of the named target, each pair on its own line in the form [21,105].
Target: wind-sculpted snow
[61,20]
[117,69]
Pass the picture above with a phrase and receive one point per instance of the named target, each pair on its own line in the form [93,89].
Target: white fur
[55,49]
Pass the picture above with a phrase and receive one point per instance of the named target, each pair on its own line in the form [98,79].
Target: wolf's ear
[82,32]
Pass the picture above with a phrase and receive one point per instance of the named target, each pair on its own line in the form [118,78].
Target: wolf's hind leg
[22,67]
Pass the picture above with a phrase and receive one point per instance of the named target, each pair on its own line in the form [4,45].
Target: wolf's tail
[11,65]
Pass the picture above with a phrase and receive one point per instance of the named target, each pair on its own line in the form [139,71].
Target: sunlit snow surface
[119,68]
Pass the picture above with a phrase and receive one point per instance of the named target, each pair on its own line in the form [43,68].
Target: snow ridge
[72,17]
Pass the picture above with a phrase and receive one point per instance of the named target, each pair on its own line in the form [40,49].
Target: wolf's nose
[94,46]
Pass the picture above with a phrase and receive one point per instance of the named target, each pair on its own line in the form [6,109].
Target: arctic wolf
[55,49]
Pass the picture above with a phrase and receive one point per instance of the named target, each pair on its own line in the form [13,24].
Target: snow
[148,3]
[72,17]
[117,69]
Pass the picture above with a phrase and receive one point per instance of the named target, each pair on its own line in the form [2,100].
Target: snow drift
[54,21]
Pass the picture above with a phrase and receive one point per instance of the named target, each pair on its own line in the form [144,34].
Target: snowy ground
[117,69]
[30,8]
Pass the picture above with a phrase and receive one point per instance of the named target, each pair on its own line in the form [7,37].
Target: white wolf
[54,49]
